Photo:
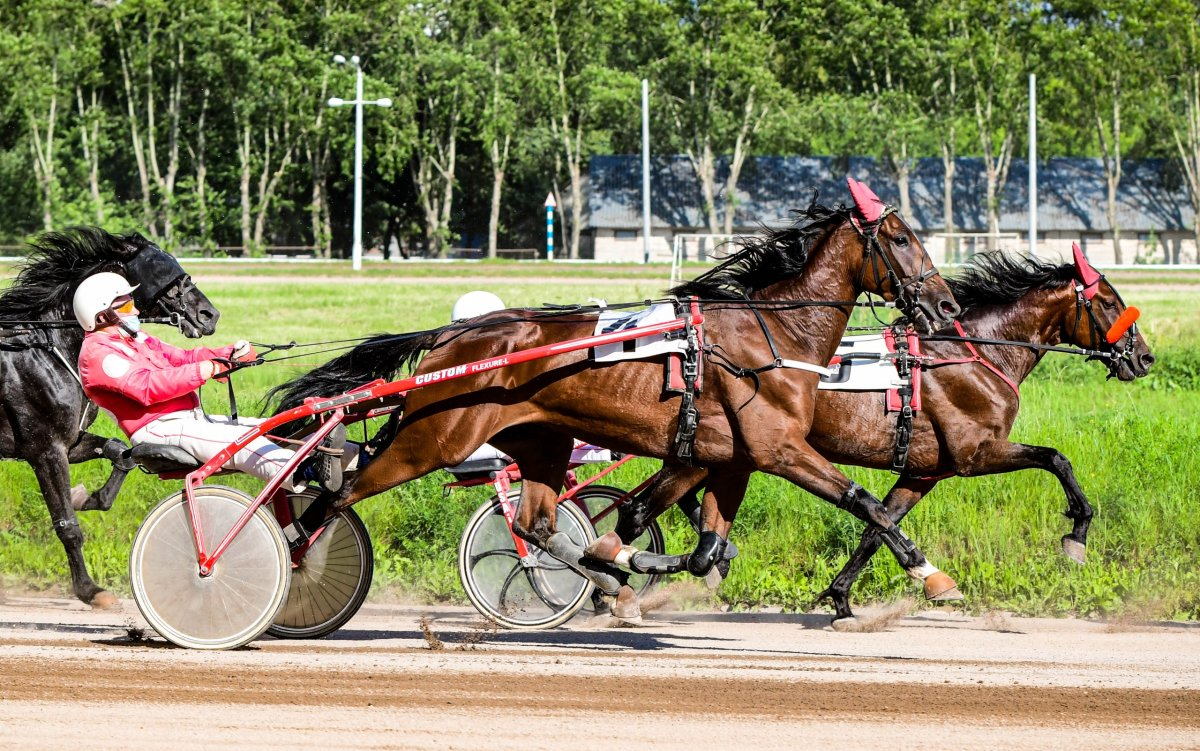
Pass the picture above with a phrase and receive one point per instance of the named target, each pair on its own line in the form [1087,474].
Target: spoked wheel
[541,592]
[236,602]
[598,498]
[331,581]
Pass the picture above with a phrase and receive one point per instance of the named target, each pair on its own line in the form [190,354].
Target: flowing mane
[56,263]
[765,259]
[999,278]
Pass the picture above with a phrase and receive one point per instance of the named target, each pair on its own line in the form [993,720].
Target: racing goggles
[123,307]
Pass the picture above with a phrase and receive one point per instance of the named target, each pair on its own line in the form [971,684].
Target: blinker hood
[155,271]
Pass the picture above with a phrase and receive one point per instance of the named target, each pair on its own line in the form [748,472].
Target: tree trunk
[89,137]
[1188,146]
[268,179]
[499,157]
[903,169]
[135,135]
[244,162]
[43,152]
[949,165]
[741,150]
[1111,159]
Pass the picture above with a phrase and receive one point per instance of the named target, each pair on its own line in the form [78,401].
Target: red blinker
[1122,324]
[869,207]
[1087,276]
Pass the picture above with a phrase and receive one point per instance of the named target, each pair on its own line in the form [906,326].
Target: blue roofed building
[1153,211]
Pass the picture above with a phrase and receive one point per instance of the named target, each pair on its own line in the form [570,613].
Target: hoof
[79,496]
[714,577]
[605,548]
[941,588]
[104,601]
[626,607]
[1074,550]
[845,625]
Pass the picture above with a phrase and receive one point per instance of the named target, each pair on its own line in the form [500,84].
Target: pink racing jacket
[140,379]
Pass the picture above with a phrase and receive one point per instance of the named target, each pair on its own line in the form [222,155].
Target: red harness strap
[893,403]
[976,357]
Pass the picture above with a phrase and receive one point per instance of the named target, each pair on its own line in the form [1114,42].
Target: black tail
[380,357]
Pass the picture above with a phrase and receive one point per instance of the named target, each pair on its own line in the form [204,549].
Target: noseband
[907,289]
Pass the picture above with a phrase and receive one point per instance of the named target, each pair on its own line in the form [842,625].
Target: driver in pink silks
[149,387]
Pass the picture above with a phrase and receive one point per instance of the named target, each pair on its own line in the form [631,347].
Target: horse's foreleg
[805,467]
[54,480]
[676,484]
[88,447]
[899,501]
[998,457]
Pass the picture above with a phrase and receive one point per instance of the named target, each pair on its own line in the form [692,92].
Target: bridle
[1105,350]
[159,278]
[907,290]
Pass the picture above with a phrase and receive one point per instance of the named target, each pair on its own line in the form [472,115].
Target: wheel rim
[328,580]
[234,604]
[501,587]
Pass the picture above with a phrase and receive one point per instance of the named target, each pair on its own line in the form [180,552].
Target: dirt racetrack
[75,679]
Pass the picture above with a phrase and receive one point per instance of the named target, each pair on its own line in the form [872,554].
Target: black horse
[44,414]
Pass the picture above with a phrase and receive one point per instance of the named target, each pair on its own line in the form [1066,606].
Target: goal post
[697,247]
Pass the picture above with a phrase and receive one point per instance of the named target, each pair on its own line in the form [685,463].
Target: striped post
[550,204]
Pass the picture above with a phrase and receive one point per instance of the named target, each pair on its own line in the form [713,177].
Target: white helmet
[96,294]
[475,304]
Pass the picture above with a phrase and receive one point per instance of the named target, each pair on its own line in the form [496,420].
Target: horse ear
[869,207]
[1087,276]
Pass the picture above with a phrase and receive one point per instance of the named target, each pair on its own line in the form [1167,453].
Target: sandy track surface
[72,678]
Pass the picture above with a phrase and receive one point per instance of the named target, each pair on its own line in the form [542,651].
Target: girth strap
[689,416]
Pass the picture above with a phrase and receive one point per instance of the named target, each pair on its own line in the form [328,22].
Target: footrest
[158,458]
[474,469]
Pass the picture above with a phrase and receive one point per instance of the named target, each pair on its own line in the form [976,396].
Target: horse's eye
[900,240]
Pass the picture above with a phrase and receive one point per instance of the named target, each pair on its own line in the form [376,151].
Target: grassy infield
[1133,447]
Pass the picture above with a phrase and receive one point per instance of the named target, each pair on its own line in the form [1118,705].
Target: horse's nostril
[204,314]
[1146,360]
[949,308]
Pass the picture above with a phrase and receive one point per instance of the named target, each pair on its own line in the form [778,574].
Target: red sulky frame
[333,411]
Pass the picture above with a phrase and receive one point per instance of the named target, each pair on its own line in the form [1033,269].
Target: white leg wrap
[624,556]
[921,573]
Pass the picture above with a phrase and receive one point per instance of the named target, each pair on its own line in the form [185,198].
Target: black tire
[597,498]
[545,594]
[332,580]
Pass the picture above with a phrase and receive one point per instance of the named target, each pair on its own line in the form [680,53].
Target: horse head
[164,288]
[896,264]
[1103,322]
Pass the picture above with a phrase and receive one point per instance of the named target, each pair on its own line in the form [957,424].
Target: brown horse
[968,409]
[782,300]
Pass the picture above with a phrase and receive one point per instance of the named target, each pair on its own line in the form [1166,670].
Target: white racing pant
[204,436]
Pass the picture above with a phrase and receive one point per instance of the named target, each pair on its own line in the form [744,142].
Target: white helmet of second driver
[475,304]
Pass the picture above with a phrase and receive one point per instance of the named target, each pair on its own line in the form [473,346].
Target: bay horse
[970,399]
[45,414]
[783,299]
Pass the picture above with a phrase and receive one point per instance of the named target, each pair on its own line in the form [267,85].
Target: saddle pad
[645,347]
[862,367]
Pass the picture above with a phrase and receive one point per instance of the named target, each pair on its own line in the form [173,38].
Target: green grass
[1133,447]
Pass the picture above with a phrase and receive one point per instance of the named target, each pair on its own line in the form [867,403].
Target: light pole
[358,102]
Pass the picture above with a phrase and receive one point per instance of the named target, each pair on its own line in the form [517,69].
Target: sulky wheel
[542,592]
[238,600]
[598,499]
[331,581]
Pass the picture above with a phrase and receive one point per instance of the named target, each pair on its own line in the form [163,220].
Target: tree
[719,87]
[1176,27]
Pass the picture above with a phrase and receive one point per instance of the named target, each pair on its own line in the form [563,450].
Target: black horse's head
[164,288]
[58,261]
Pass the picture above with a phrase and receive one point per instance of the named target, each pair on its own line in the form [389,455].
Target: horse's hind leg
[54,479]
[543,457]
[899,501]
[87,448]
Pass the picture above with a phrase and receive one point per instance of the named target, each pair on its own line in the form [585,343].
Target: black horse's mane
[998,278]
[56,263]
[765,259]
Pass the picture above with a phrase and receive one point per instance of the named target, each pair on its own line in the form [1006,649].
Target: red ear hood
[869,207]
[1087,276]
